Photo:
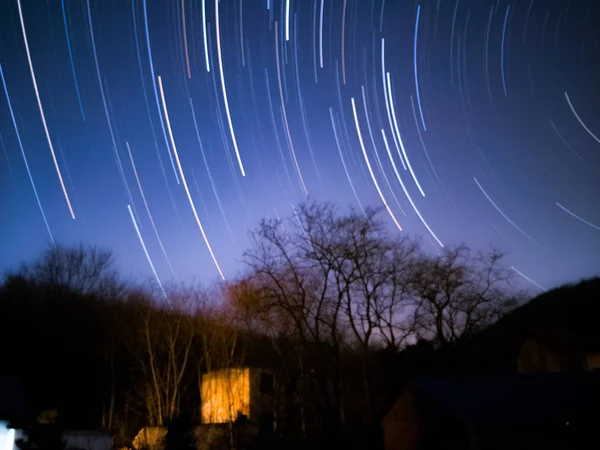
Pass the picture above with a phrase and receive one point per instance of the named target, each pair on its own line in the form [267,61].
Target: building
[542,388]
[549,411]
[237,403]
[248,392]
[559,353]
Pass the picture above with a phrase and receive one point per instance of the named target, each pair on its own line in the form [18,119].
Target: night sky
[172,127]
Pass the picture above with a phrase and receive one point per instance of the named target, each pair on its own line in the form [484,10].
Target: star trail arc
[466,121]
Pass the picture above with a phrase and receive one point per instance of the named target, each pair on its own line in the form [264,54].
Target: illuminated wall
[225,393]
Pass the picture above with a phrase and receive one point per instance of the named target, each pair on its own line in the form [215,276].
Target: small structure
[150,438]
[230,393]
[74,440]
[237,403]
[559,353]
[550,411]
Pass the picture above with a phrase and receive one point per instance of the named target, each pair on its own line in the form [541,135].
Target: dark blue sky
[490,112]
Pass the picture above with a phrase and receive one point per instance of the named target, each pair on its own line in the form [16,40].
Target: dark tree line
[332,302]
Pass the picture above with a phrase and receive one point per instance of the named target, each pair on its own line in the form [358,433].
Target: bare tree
[326,279]
[334,282]
[459,293]
[84,270]
[163,353]
[366,271]
[296,298]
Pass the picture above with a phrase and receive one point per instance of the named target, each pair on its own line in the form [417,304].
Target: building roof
[531,399]
[12,401]
[566,315]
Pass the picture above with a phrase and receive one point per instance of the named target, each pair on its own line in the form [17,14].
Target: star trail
[165,130]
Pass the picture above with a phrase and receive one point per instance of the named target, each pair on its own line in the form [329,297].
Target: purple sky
[493,116]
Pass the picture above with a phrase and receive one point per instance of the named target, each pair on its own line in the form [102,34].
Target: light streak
[362,145]
[502,213]
[452,44]
[387,101]
[287,20]
[147,104]
[210,177]
[200,196]
[185,42]
[364,97]
[287,127]
[414,111]
[581,121]
[525,277]
[37,95]
[527,21]
[315,41]
[230,163]
[274,126]
[220,58]
[343,35]
[284,56]
[162,122]
[257,117]
[486,52]
[577,217]
[415,61]
[337,141]
[502,50]
[10,168]
[205,38]
[342,123]
[321,34]
[393,109]
[301,225]
[219,117]
[187,191]
[64,14]
[570,147]
[279,219]
[14,121]
[103,96]
[437,19]
[301,102]
[137,178]
[137,230]
[242,34]
[385,178]
[423,221]
[381,16]
[464,60]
